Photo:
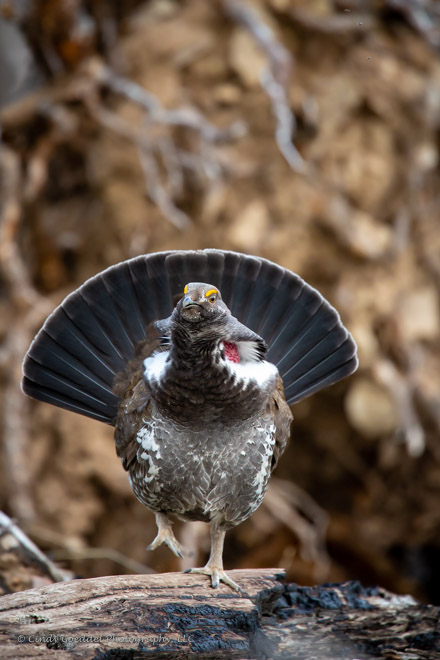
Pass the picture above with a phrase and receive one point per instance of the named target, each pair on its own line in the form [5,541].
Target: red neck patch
[231,352]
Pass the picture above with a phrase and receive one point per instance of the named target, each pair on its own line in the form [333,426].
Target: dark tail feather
[304,333]
[92,335]
[334,367]
[37,391]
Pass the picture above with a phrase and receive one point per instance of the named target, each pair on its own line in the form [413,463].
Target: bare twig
[422,15]
[337,25]
[274,79]
[156,190]
[8,526]
[68,89]
[187,117]
[401,231]
[144,143]
[85,88]
[402,389]
[78,554]
[173,165]
[294,508]
[67,549]
[150,148]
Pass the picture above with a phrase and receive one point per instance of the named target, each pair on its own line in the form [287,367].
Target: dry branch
[186,117]
[423,16]
[86,85]
[8,527]
[293,507]
[337,25]
[402,389]
[274,80]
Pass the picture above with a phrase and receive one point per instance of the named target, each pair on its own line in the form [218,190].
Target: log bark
[180,616]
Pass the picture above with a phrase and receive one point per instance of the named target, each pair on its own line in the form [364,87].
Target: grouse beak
[189,302]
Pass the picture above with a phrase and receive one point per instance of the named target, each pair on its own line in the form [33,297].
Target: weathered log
[350,621]
[167,615]
[180,616]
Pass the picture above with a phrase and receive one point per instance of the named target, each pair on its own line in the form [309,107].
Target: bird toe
[217,575]
[166,536]
[175,546]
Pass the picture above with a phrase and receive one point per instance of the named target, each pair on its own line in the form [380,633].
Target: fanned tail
[91,336]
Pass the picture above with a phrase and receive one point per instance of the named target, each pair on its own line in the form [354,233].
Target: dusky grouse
[198,389]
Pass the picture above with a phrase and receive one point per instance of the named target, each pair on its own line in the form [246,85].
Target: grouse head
[202,303]
[203,326]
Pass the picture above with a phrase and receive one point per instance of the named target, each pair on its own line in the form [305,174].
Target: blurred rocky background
[304,131]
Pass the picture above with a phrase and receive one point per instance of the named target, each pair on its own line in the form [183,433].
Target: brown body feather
[202,446]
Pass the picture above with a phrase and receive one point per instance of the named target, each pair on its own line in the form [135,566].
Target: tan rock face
[246,59]
[250,229]
[419,314]
[371,409]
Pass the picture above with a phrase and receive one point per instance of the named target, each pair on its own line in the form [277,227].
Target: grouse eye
[211,296]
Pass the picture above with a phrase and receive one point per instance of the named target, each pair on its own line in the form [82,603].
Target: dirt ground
[303,131]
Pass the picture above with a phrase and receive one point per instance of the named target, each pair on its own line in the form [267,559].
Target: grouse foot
[214,567]
[217,575]
[165,535]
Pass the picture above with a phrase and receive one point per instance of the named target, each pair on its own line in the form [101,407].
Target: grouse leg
[214,567]
[165,535]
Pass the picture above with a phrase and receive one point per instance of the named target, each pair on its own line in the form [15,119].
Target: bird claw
[166,536]
[217,575]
